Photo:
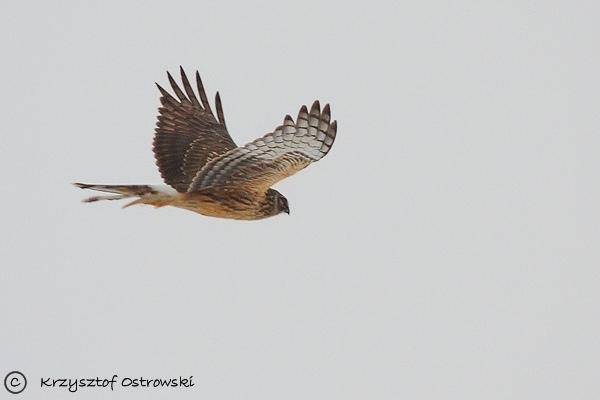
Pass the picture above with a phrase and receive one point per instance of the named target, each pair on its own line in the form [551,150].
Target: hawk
[208,173]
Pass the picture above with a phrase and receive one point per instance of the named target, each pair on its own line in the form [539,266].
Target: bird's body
[208,174]
[234,204]
[221,203]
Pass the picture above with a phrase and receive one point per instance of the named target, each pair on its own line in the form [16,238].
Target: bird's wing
[187,133]
[277,155]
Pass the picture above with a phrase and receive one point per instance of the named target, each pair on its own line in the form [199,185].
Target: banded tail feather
[146,194]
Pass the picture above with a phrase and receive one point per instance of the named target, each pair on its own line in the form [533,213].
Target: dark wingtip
[316,107]
[162,90]
[202,93]
[289,118]
[219,106]
[181,71]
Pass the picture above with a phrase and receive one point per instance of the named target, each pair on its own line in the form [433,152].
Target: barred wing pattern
[187,134]
[277,155]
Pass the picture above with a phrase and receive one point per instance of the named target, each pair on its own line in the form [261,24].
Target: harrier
[208,173]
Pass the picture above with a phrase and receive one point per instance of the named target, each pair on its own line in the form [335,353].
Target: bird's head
[279,201]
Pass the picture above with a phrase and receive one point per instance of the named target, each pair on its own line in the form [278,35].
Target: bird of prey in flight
[208,173]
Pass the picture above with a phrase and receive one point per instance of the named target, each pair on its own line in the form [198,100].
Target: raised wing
[187,133]
[277,155]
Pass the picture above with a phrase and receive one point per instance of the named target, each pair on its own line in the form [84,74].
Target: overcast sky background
[447,247]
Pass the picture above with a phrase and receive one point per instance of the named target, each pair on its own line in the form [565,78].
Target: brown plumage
[210,175]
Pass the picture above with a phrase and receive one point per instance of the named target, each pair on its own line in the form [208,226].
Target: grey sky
[447,247]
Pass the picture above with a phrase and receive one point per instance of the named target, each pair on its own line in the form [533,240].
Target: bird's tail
[145,194]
